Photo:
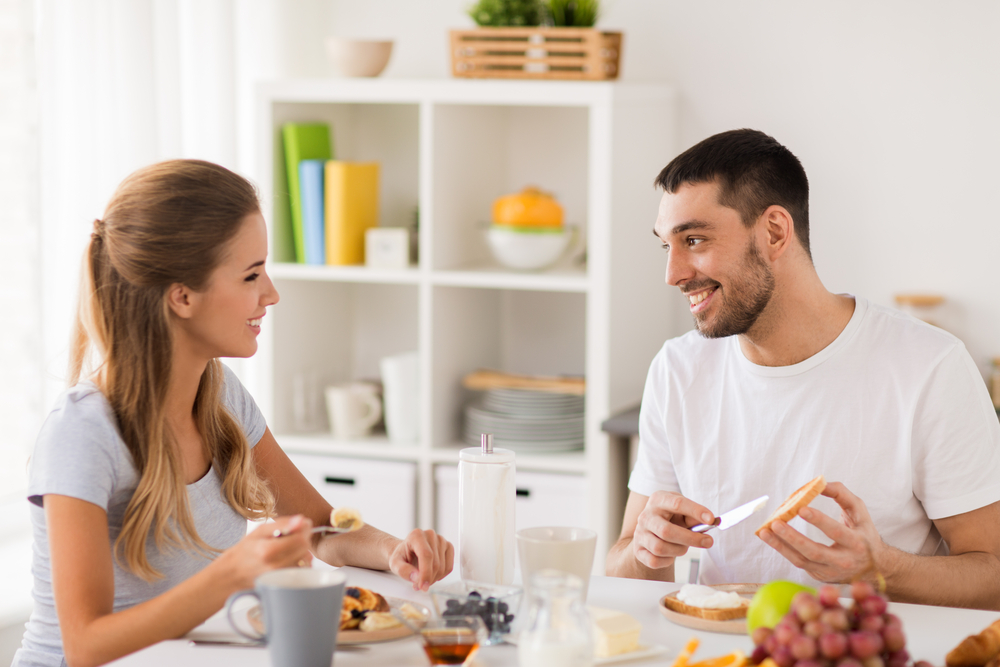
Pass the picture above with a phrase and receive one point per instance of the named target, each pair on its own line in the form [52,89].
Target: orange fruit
[529,208]
[734,659]
[686,653]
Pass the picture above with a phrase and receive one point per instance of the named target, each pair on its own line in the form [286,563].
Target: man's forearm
[621,562]
[963,580]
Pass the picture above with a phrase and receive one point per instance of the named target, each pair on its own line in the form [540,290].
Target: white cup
[401,389]
[354,408]
[557,548]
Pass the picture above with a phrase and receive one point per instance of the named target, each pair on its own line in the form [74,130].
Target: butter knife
[732,517]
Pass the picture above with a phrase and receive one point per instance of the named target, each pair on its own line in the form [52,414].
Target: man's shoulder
[901,333]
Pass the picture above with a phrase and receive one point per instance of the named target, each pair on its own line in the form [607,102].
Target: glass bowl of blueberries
[497,605]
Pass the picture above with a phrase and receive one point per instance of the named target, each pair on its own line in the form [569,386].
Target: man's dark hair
[753,171]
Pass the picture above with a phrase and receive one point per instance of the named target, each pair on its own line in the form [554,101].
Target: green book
[301,141]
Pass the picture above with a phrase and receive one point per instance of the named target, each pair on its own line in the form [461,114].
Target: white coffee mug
[401,389]
[354,408]
[559,548]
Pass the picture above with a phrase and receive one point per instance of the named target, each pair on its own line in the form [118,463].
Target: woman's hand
[422,558]
[261,551]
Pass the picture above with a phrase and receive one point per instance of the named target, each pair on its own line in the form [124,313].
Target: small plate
[349,637]
[736,626]
[640,653]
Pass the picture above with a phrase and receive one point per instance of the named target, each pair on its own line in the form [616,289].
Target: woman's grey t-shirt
[80,453]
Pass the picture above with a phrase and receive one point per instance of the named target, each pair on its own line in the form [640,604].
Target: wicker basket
[535,53]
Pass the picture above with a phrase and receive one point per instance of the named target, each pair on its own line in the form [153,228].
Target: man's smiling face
[714,260]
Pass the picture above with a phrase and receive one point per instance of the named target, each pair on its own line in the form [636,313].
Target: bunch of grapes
[495,613]
[819,632]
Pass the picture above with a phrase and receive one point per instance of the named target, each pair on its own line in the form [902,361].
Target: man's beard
[744,300]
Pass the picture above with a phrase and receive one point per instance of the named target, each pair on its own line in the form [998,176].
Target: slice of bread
[790,508]
[673,604]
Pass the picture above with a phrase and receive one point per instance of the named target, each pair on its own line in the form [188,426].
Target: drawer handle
[346,481]
[523,492]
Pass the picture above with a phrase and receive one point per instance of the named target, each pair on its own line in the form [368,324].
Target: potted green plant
[536,39]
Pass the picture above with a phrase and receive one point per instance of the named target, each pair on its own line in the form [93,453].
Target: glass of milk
[558,626]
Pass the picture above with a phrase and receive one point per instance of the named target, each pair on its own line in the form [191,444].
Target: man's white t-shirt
[894,408]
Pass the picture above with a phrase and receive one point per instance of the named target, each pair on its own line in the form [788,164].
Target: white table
[930,631]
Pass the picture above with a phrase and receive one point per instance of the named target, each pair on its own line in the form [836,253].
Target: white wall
[890,105]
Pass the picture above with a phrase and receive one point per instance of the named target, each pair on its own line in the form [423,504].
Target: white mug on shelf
[354,408]
[401,389]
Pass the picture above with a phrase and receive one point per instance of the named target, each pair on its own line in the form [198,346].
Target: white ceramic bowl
[527,250]
[358,57]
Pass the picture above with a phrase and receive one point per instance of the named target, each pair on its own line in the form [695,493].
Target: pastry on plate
[358,602]
[976,650]
[795,502]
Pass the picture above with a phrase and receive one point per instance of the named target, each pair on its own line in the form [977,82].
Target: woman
[147,469]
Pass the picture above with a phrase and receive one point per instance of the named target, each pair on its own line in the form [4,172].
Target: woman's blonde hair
[168,223]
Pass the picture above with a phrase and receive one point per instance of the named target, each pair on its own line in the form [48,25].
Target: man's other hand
[856,543]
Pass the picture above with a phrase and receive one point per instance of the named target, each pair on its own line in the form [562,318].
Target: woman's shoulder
[79,451]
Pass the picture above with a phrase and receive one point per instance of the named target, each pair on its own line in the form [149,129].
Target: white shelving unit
[451,147]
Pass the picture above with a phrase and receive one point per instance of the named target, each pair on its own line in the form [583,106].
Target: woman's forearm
[168,616]
[368,547]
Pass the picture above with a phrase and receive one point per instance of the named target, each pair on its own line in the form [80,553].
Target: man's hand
[662,529]
[856,549]
[422,558]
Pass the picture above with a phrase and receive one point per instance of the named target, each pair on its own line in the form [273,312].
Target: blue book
[311,177]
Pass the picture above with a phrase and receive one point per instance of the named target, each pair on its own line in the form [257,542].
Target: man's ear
[779,229]
[181,300]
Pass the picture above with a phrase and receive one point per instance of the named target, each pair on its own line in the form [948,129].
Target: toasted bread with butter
[673,604]
[795,502]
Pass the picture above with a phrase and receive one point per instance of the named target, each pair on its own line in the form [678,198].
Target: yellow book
[351,208]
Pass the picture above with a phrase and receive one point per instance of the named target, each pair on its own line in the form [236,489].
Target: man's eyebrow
[255,265]
[685,226]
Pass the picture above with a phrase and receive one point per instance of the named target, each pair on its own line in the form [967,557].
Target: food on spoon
[358,603]
[346,518]
[707,602]
[976,650]
[615,632]
[795,502]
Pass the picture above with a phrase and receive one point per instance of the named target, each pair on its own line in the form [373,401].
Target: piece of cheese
[615,632]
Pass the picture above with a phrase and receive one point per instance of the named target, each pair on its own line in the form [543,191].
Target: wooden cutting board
[484,379]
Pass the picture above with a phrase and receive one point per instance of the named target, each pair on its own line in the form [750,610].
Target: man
[783,381]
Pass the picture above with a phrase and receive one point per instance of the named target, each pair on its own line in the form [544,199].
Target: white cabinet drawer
[543,499]
[383,491]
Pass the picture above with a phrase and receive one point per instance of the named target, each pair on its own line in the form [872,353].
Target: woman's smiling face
[226,317]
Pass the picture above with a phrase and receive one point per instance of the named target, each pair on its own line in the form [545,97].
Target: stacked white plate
[527,421]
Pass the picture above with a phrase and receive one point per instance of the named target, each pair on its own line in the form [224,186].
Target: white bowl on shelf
[358,57]
[527,249]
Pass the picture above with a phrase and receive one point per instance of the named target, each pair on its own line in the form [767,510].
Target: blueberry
[452,605]
[353,592]
[475,595]
[502,607]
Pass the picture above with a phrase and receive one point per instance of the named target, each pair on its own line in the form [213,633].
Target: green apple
[770,604]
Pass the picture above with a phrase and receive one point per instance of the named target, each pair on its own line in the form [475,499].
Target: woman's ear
[181,300]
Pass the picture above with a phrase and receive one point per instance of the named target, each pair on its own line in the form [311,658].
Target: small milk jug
[558,627]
